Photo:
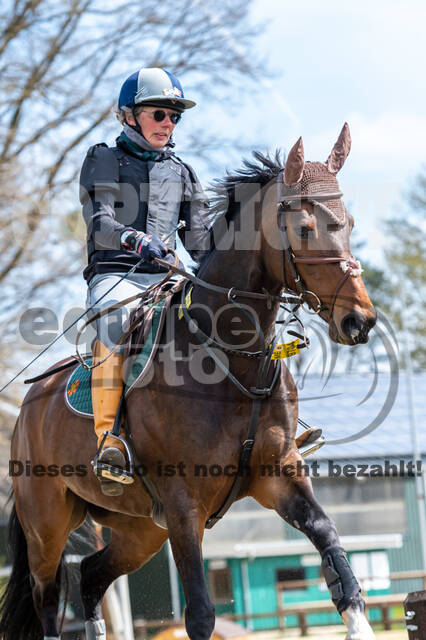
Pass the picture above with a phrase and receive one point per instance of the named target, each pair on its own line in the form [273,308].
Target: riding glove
[147,245]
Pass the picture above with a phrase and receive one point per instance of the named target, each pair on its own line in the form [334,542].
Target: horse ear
[293,170]
[340,151]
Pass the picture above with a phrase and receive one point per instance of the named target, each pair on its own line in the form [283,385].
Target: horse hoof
[358,625]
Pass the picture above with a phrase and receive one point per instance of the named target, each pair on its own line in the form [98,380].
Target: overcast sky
[333,62]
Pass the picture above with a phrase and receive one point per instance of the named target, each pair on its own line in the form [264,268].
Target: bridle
[289,199]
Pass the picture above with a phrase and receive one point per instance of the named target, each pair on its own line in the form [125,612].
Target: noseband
[350,266]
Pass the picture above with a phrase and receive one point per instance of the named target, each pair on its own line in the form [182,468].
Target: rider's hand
[147,245]
[171,260]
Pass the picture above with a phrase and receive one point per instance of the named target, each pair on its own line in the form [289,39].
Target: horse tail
[18,617]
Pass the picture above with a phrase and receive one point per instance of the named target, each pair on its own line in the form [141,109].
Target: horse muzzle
[355,327]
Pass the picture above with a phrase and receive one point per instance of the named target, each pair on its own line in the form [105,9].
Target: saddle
[145,326]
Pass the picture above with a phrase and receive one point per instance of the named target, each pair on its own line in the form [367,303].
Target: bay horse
[280,228]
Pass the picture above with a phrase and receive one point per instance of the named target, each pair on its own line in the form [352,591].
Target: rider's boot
[309,441]
[107,389]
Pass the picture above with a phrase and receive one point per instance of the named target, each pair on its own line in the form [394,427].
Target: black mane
[222,190]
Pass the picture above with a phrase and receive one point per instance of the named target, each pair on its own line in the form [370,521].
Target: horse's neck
[243,271]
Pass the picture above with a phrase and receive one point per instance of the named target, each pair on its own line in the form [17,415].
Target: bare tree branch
[18,22]
[53,170]
[65,31]
[61,65]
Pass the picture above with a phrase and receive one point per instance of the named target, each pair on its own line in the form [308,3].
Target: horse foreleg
[186,527]
[303,512]
[294,501]
[133,542]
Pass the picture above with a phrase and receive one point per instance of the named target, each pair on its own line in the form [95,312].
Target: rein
[231,294]
[206,342]
[118,305]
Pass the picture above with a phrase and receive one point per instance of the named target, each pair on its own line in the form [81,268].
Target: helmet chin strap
[136,127]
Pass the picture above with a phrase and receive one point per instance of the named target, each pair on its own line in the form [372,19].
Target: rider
[133,195]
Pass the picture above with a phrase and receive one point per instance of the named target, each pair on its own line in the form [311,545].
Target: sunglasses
[159,115]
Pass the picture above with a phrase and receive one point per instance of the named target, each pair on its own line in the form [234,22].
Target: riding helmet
[155,87]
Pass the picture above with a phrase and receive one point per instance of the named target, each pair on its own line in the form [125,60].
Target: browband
[293,194]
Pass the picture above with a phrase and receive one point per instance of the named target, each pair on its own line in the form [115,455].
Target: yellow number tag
[286,350]
[188,303]
[188,298]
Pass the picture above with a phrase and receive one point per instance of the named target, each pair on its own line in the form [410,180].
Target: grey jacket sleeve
[195,211]
[99,188]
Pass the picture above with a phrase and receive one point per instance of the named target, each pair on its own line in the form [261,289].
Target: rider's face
[157,133]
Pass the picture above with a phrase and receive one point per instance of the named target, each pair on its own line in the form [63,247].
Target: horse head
[314,258]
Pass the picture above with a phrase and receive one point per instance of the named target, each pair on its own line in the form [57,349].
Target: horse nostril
[354,326]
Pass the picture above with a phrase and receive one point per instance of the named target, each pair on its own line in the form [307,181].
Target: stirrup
[107,471]
[311,447]
[311,443]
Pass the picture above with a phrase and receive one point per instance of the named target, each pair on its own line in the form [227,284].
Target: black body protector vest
[119,190]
